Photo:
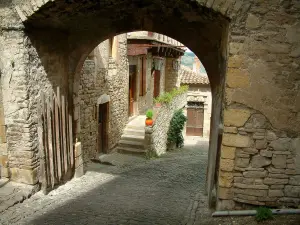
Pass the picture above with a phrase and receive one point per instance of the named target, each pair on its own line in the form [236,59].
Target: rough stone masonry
[250,50]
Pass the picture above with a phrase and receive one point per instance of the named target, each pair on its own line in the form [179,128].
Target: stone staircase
[132,140]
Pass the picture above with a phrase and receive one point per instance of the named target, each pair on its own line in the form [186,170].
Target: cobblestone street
[168,190]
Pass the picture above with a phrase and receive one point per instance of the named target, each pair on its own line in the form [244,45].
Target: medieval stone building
[250,50]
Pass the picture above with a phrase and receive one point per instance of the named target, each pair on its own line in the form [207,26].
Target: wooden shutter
[144,75]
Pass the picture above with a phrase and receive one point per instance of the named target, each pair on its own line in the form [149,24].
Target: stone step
[131,144]
[133,151]
[129,137]
[135,127]
[134,132]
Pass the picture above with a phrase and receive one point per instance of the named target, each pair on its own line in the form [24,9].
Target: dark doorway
[103,127]
[195,116]
[156,90]
[132,88]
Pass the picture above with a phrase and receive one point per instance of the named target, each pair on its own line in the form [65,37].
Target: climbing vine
[176,127]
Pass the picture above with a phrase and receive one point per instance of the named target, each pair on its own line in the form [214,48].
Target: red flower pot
[149,122]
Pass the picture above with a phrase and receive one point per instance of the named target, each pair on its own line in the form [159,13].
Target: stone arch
[103,99]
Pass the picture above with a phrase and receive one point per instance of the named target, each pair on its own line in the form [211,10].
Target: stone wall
[103,75]
[156,136]
[259,164]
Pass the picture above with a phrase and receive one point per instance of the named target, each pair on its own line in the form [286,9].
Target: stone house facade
[199,100]
[103,97]
[151,72]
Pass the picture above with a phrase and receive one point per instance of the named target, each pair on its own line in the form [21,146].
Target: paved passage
[158,191]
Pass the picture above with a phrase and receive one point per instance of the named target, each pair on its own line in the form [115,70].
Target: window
[143,76]
[195,104]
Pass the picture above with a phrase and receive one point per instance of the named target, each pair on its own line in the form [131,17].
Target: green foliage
[167,97]
[149,114]
[151,155]
[263,213]
[175,130]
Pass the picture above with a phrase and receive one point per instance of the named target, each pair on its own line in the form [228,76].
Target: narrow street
[140,191]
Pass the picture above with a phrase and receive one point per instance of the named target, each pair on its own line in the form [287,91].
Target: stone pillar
[171,75]
[21,129]
[79,168]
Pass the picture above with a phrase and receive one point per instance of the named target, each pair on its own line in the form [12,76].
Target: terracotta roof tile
[187,76]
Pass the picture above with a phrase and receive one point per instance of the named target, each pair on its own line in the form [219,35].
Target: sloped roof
[188,76]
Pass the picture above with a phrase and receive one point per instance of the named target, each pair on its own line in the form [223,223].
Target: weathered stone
[24,176]
[268,199]
[279,48]
[236,140]
[291,172]
[236,168]
[277,186]
[261,144]
[236,117]
[279,161]
[248,201]
[255,169]
[258,193]
[271,136]
[255,174]
[291,166]
[278,175]
[228,152]
[252,22]
[251,151]
[295,52]
[258,121]
[258,161]
[292,191]
[282,144]
[225,179]
[293,33]
[293,201]
[266,153]
[225,204]
[225,193]
[232,130]
[227,164]
[295,180]
[281,152]
[275,181]
[247,186]
[258,136]
[242,155]
[244,196]
[290,161]
[271,169]
[242,162]
[237,78]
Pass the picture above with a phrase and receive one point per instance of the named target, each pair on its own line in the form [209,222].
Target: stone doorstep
[12,193]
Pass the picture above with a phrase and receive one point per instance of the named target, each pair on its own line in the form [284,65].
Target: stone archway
[49,40]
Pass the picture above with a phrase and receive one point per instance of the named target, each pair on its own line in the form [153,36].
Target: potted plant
[149,116]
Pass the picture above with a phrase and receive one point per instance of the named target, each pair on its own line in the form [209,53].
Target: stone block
[241,154]
[250,151]
[79,171]
[236,117]
[279,161]
[237,78]
[227,152]
[295,180]
[252,192]
[259,161]
[225,204]
[236,140]
[225,193]
[271,136]
[246,197]
[281,144]
[232,130]
[252,22]
[235,48]
[255,174]
[24,176]
[275,193]
[277,186]
[292,191]
[272,181]
[227,164]
[278,175]
[236,61]
[247,186]
[242,162]
[271,169]
[266,153]
[248,201]
[3,160]
[225,179]
[78,150]
[261,144]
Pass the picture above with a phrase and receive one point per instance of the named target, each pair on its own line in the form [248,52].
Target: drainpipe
[253,212]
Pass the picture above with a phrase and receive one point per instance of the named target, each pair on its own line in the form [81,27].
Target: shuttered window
[143,76]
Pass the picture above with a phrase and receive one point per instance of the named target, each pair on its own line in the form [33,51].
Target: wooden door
[156,90]
[194,125]
[102,128]
[132,89]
